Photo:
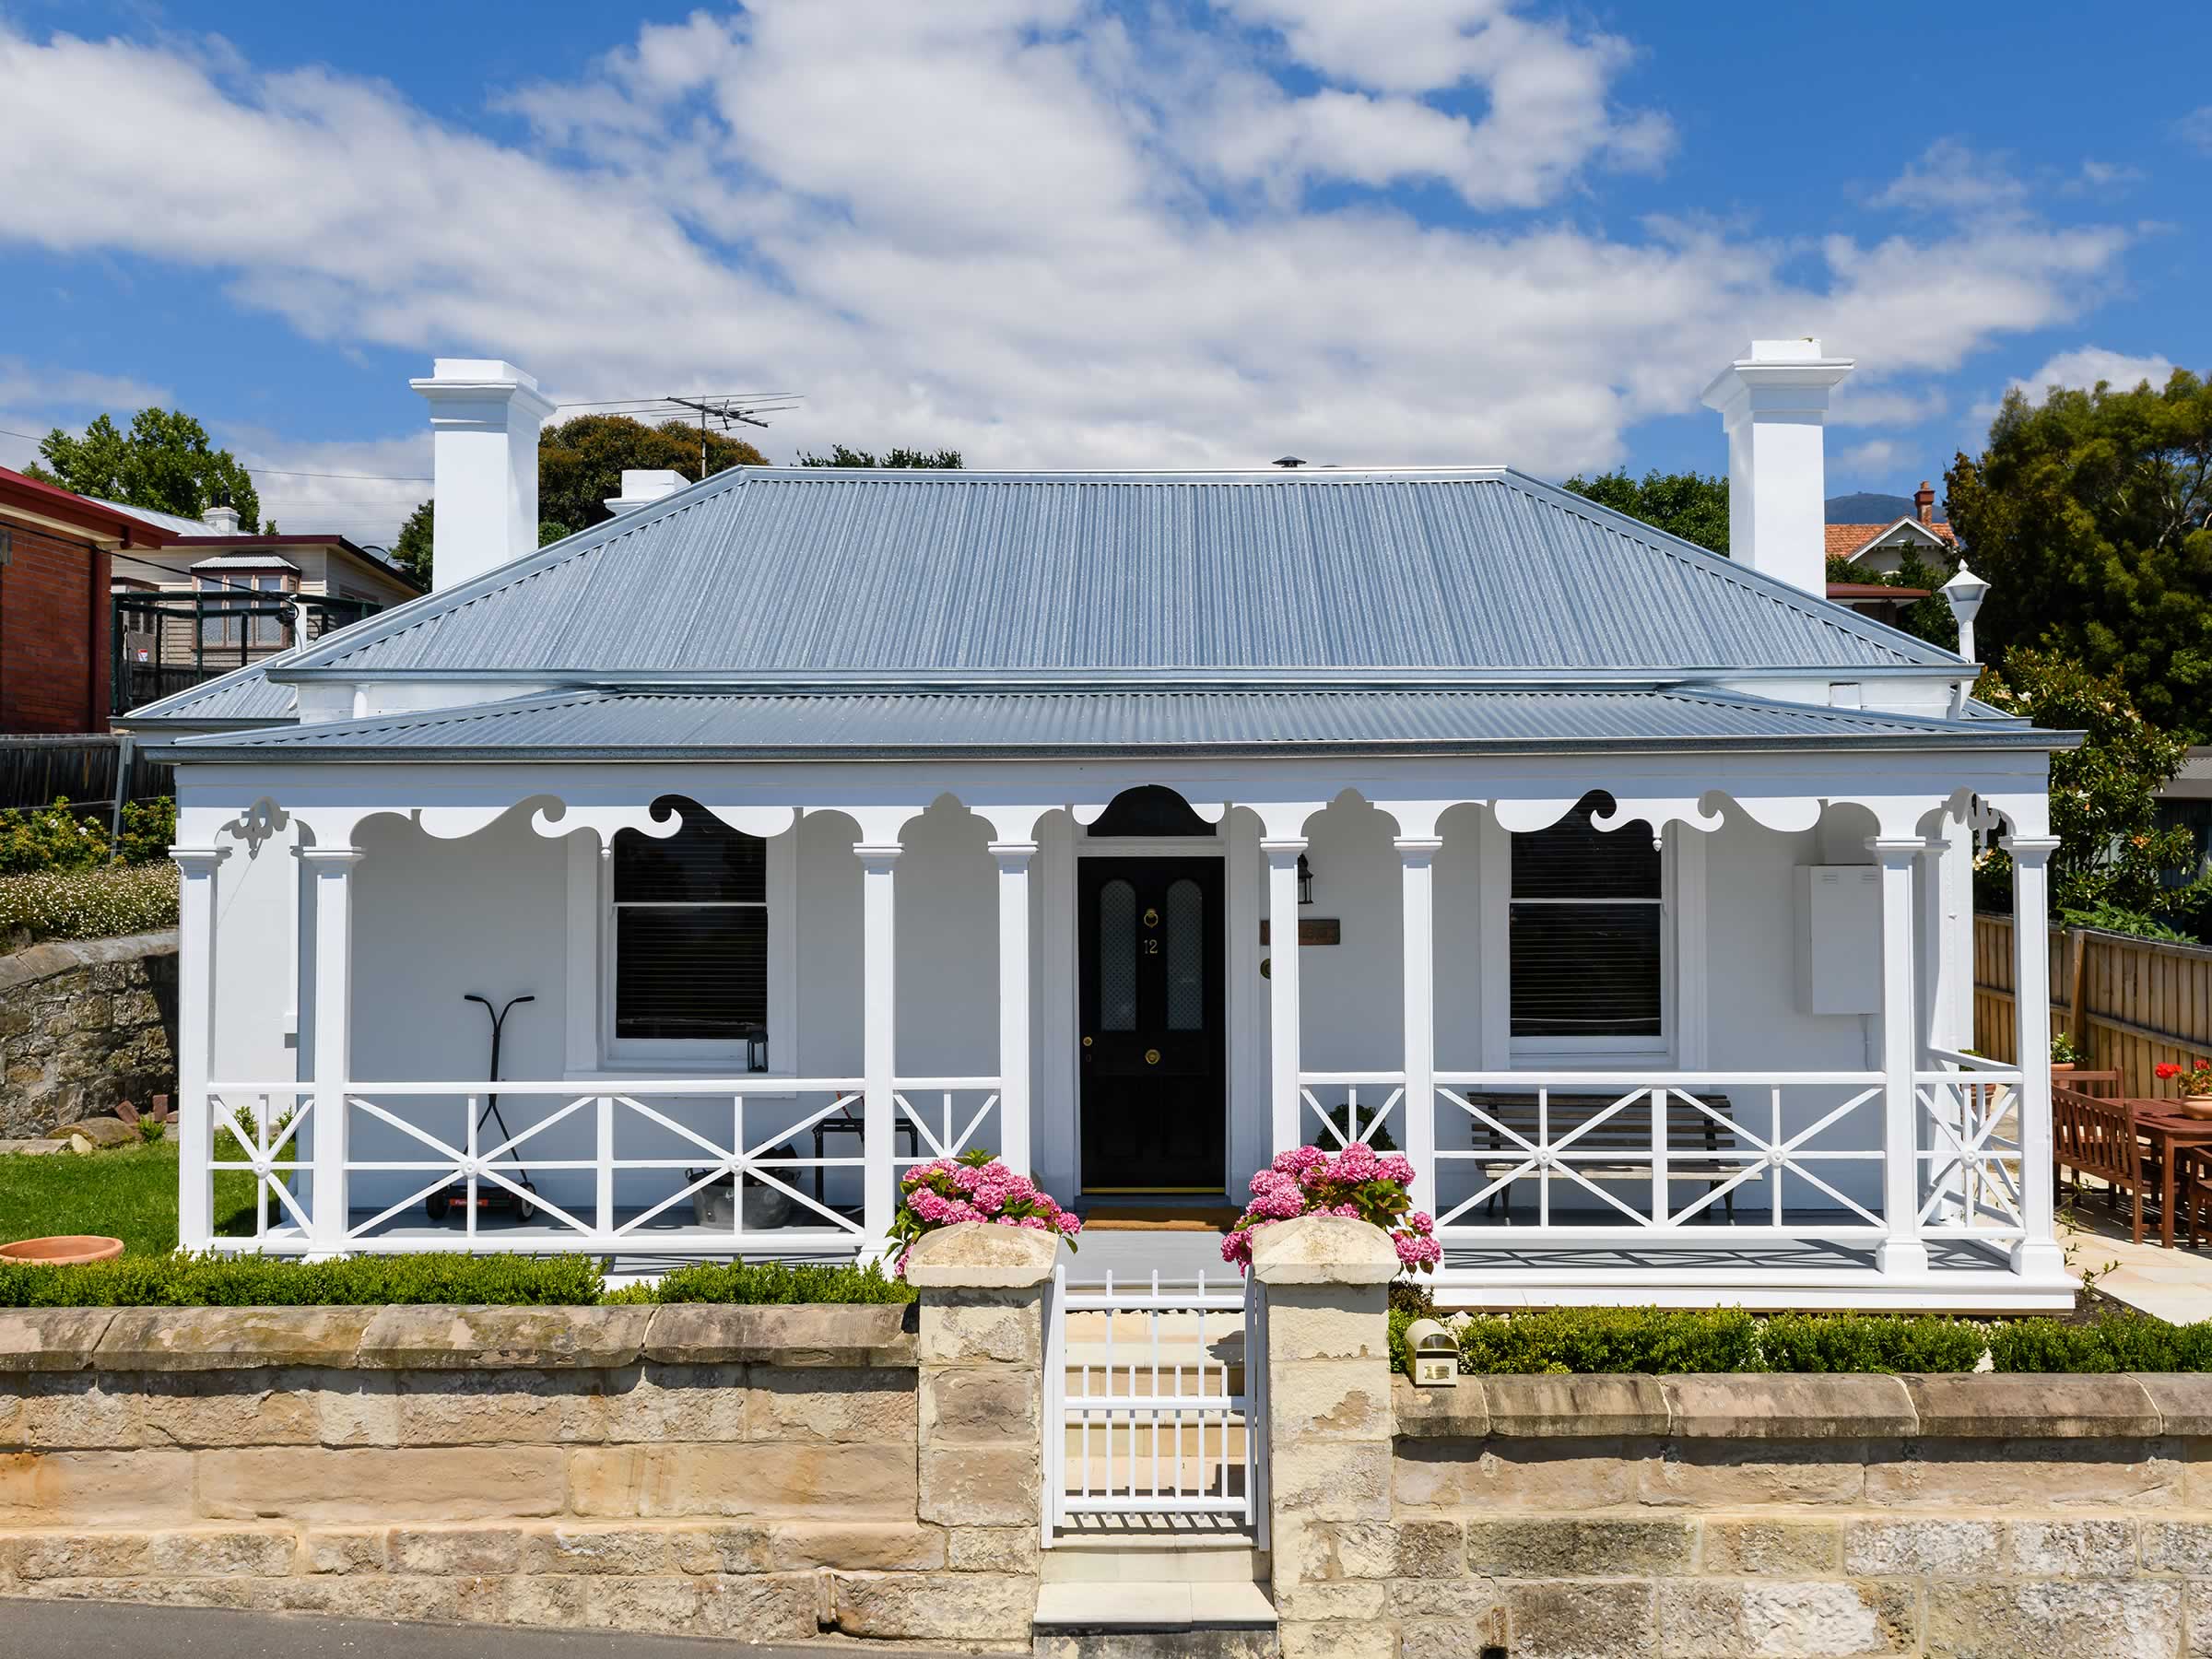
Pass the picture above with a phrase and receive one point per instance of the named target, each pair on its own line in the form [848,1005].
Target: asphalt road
[65,1629]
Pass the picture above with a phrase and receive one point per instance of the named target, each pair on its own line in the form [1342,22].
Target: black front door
[1154,1096]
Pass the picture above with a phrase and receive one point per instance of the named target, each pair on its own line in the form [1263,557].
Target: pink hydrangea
[977,1187]
[1354,1182]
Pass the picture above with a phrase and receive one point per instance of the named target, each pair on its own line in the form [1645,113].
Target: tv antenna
[727,412]
[715,411]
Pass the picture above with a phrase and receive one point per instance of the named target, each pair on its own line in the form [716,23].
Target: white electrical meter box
[1838,939]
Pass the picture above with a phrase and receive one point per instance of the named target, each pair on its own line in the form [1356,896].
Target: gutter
[2031,739]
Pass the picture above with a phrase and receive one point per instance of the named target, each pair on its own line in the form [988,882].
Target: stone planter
[63,1250]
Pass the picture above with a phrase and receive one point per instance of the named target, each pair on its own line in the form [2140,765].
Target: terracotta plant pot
[71,1248]
[2196,1106]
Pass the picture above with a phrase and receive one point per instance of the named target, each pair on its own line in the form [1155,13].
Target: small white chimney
[642,488]
[220,520]
[1773,404]
[485,417]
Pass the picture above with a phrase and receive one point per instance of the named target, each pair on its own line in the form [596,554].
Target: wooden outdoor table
[2169,1130]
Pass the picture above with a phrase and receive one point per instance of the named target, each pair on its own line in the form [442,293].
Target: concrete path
[59,1630]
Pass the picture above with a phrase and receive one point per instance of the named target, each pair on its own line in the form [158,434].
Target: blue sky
[1053,232]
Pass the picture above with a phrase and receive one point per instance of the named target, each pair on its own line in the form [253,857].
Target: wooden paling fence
[2130,1004]
[96,772]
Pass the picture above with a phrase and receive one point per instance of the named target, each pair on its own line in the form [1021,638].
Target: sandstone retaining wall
[762,1474]
[85,1023]
[1811,1517]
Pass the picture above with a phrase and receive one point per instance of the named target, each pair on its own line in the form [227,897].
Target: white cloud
[2197,128]
[1872,457]
[1016,227]
[1950,176]
[2086,366]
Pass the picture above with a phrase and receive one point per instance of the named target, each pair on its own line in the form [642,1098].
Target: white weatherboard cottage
[1135,826]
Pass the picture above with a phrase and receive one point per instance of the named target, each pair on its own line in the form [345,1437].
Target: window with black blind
[1586,929]
[690,924]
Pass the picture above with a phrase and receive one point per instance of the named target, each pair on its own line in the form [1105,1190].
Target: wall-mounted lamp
[1305,881]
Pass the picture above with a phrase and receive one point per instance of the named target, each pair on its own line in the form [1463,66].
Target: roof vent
[642,488]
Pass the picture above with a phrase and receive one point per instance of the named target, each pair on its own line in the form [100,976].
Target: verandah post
[879,1019]
[2039,1252]
[1901,1250]
[196,1041]
[1014,1001]
[1282,986]
[1417,872]
[332,871]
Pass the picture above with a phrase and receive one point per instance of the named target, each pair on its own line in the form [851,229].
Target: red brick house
[55,556]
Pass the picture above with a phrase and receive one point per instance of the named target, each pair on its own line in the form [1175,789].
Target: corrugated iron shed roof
[757,571]
[609,724]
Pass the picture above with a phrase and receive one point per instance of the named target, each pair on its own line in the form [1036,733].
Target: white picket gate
[1155,1402]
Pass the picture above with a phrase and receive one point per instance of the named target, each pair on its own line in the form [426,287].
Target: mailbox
[1435,1353]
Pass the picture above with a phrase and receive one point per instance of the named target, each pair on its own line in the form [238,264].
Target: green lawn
[129,1194]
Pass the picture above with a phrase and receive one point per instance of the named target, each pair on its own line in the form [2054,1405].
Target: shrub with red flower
[976,1188]
[2166,1070]
[1355,1182]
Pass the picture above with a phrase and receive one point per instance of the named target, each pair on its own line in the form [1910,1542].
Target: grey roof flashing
[610,725]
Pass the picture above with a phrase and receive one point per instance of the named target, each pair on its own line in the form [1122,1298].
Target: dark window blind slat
[692,974]
[691,931]
[1590,965]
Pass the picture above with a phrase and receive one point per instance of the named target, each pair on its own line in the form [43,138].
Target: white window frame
[1681,1039]
[593,1047]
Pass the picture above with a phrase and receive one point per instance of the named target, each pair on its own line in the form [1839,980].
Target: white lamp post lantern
[1964,594]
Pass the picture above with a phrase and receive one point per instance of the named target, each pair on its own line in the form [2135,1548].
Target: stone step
[1139,1558]
[1123,1617]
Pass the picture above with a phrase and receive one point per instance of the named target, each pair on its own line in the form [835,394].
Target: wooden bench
[1691,1137]
[2093,1133]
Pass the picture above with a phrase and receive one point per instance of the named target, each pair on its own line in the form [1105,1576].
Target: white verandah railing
[1155,1401]
[605,1166]
[1597,1157]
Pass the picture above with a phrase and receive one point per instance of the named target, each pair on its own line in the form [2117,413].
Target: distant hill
[1867,508]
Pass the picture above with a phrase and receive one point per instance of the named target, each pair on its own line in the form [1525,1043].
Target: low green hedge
[1660,1341]
[769,1282]
[252,1281]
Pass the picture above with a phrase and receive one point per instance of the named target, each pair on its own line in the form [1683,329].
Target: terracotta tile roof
[1848,539]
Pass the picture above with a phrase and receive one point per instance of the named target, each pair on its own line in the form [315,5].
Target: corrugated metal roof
[242,695]
[860,724]
[757,572]
[175,522]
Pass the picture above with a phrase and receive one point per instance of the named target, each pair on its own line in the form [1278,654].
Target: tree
[839,455]
[581,462]
[411,552]
[1690,505]
[1931,618]
[2088,516]
[164,463]
[2112,854]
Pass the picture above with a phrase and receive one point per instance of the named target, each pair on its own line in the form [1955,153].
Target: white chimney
[484,420]
[642,488]
[220,520]
[1774,402]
